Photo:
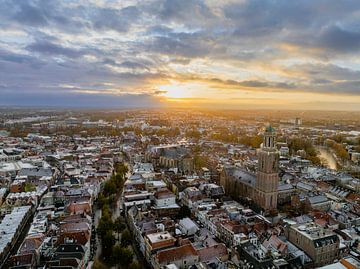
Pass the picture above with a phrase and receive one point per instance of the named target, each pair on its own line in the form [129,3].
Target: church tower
[267,180]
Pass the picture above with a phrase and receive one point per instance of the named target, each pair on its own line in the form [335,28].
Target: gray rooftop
[241,175]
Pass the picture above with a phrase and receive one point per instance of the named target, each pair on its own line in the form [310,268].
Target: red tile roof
[276,243]
[209,253]
[31,243]
[164,193]
[175,254]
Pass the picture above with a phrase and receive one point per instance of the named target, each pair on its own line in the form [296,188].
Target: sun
[175,91]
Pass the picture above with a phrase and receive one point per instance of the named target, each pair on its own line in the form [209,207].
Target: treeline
[339,150]
[168,132]
[22,131]
[296,144]
[193,133]
[226,137]
[115,237]
[253,141]
[201,161]
[19,131]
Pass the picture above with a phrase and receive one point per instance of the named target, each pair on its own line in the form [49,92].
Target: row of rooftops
[89,148]
[87,166]
[11,226]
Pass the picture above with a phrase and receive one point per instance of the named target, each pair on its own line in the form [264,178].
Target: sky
[301,54]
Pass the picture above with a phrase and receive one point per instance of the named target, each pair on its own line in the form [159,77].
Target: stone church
[262,188]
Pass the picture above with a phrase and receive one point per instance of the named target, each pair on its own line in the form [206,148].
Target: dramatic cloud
[337,39]
[141,52]
[48,48]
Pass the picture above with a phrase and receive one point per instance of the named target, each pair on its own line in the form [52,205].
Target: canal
[325,154]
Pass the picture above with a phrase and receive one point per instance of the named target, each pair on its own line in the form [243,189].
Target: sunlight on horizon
[176,90]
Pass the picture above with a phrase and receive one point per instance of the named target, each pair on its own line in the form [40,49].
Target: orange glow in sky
[278,54]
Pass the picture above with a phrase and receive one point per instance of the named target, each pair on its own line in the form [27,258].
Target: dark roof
[284,187]
[318,199]
[70,248]
[174,152]
[241,175]
[36,172]
[176,254]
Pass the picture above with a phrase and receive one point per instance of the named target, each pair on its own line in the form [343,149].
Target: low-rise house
[212,253]
[164,198]
[82,207]
[344,263]
[188,227]
[191,195]
[229,231]
[23,261]
[165,203]
[28,255]
[183,257]
[157,241]
[68,256]
[213,191]
[274,243]
[346,219]
[318,202]
[253,255]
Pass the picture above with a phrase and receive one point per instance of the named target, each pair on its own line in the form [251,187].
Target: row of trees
[339,150]
[115,237]
[113,187]
[115,240]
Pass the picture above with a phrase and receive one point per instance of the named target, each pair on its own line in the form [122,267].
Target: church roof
[241,175]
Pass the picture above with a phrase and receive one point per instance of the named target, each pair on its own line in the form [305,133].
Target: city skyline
[223,54]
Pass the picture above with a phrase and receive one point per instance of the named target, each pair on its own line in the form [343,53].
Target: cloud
[130,64]
[181,46]
[113,19]
[8,56]
[49,48]
[158,92]
[252,85]
[30,14]
[340,40]
[103,48]
[324,72]
[185,11]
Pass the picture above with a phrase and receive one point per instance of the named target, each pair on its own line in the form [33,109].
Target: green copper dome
[269,129]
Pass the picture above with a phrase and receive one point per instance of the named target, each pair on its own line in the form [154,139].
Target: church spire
[267,180]
[269,138]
